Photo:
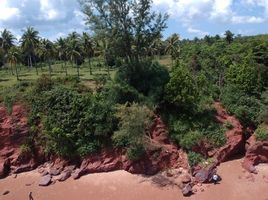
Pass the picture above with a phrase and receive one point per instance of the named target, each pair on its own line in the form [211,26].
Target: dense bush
[262,133]
[182,89]
[188,131]
[194,158]
[134,124]
[123,93]
[245,77]
[148,78]
[74,124]
[246,108]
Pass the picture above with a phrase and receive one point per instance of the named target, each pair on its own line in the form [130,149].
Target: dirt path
[121,185]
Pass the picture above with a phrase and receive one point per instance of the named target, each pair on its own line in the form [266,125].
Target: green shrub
[74,124]
[44,83]
[188,131]
[134,123]
[194,158]
[123,93]
[190,139]
[182,90]
[262,133]
[148,78]
[25,149]
[246,108]
[8,102]
[135,152]
[228,125]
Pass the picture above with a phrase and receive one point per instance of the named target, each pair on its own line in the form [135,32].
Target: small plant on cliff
[135,152]
[262,133]
[194,158]
[228,125]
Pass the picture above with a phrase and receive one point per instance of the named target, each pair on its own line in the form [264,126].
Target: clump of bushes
[228,125]
[194,158]
[147,77]
[262,133]
[188,131]
[75,124]
[134,123]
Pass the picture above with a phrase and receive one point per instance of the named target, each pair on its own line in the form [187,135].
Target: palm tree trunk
[49,68]
[17,72]
[11,68]
[66,72]
[78,75]
[90,68]
[30,60]
[108,69]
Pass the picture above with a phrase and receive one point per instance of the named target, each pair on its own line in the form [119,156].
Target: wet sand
[121,185]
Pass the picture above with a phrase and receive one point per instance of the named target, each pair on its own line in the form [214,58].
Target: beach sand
[236,184]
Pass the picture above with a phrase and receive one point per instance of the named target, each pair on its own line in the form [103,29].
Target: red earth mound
[256,152]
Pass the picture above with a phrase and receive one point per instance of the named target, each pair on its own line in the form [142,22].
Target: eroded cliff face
[161,154]
[235,137]
[14,130]
[256,152]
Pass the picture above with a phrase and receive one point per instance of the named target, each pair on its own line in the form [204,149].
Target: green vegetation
[194,158]
[134,126]
[98,91]
[262,133]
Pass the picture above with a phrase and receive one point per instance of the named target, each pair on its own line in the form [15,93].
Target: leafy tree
[182,89]
[229,36]
[128,26]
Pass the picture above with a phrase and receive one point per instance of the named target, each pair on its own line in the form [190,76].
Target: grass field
[29,74]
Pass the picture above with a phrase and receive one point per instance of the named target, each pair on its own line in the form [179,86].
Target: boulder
[256,152]
[45,180]
[54,172]
[187,190]
[23,168]
[4,168]
[204,175]
[65,175]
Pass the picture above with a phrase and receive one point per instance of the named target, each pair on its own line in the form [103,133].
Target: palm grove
[127,36]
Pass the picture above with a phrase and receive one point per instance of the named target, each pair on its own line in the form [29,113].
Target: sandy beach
[120,185]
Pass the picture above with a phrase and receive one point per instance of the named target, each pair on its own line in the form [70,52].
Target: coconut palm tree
[46,50]
[74,52]
[29,43]
[173,47]
[61,47]
[88,48]
[13,58]
[7,40]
